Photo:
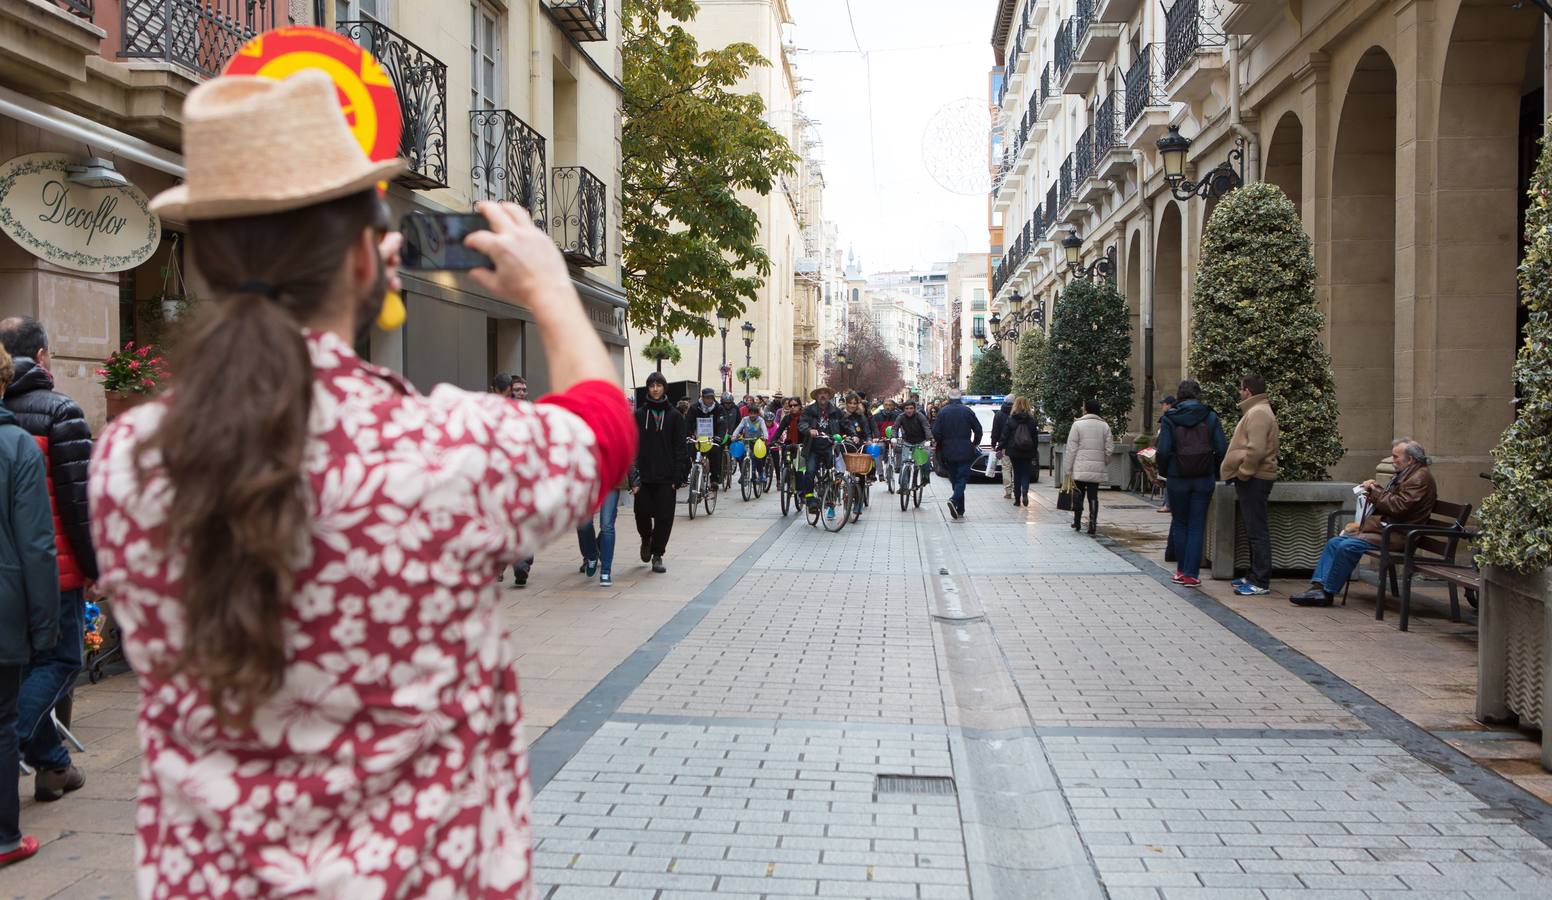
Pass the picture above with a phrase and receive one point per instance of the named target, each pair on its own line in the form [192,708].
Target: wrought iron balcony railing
[1065,49]
[1036,226]
[508,161]
[1064,181]
[1144,87]
[579,224]
[1044,93]
[420,80]
[1082,16]
[1083,156]
[82,8]
[1053,202]
[585,20]
[198,34]
[1188,28]
[1106,126]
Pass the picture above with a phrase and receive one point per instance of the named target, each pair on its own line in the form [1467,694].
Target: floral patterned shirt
[391,763]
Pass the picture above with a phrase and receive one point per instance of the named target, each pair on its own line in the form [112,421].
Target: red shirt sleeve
[602,406]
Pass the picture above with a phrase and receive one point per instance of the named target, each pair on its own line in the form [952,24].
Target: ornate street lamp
[1217,182]
[723,321]
[840,360]
[1072,247]
[748,330]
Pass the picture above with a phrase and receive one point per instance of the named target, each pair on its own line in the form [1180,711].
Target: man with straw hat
[819,422]
[301,550]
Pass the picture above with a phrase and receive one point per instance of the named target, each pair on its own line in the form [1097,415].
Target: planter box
[1296,515]
[1044,459]
[1514,651]
[1118,475]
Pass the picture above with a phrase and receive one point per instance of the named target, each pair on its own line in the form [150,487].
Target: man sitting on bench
[1407,499]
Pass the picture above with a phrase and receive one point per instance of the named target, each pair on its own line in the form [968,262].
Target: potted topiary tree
[1028,370]
[990,374]
[1254,311]
[1514,652]
[1089,357]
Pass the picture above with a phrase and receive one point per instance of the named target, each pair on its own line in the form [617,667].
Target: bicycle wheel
[888,472]
[744,486]
[857,493]
[692,491]
[786,496]
[907,472]
[709,501]
[815,512]
[916,492]
[834,511]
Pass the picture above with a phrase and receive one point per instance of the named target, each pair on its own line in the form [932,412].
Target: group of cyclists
[779,444]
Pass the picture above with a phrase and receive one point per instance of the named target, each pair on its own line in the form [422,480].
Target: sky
[910,105]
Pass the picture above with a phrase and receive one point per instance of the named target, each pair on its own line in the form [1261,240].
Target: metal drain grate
[914,785]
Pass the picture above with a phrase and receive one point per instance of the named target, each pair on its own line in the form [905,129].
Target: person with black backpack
[1191,447]
[1020,440]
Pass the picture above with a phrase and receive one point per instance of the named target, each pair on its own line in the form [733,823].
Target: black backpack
[1023,443]
[1193,450]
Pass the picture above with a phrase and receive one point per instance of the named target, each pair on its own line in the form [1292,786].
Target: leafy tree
[1255,312]
[1089,355]
[1029,366]
[1517,515]
[990,374]
[873,368]
[689,248]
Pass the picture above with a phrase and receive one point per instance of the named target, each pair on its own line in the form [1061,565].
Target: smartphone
[434,241]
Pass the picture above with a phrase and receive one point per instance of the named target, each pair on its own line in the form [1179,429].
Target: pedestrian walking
[999,425]
[662,461]
[1021,441]
[1165,406]
[59,426]
[957,433]
[29,601]
[1190,450]
[597,542]
[1088,461]
[507,386]
[301,549]
[1251,466]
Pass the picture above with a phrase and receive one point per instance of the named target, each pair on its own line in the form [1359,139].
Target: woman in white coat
[1088,459]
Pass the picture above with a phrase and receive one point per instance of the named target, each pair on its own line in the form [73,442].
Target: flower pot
[1118,471]
[1514,651]
[1296,515]
[119,402]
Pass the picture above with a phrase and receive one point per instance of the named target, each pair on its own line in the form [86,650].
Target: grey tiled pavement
[1119,733]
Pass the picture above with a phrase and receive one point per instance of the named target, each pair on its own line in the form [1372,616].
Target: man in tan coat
[1251,466]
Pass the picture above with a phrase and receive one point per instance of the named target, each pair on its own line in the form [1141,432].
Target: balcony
[1074,76]
[1112,158]
[1194,54]
[1118,11]
[1096,40]
[1002,185]
[82,8]
[1089,187]
[200,35]
[508,161]
[420,80]
[1147,112]
[1251,17]
[584,20]
[1037,11]
[1050,98]
[581,217]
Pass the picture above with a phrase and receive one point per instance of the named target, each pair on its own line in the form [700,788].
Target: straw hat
[256,145]
[814,394]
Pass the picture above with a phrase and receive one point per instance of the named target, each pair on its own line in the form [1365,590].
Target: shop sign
[71,225]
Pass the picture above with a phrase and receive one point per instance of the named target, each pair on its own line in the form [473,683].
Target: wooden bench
[1441,538]
[1440,542]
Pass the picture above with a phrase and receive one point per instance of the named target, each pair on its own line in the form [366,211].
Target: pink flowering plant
[134,370]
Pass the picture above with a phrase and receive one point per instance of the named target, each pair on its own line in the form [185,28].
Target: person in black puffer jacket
[56,422]
[662,458]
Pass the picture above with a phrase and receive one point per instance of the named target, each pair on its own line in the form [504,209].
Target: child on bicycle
[752,428]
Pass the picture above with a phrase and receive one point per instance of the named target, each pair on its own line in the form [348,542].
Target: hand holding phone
[435,241]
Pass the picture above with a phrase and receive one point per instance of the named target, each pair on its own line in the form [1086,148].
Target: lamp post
[1217,182]
[1072,246]
[723,321]
[840,359]
[748,330]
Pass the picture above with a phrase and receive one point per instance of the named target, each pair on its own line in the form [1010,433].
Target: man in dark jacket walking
[59,427]
[661,461]
[29,600]
[957,433]
[1190,449]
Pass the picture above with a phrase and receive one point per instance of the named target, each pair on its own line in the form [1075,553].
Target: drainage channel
[1021,842]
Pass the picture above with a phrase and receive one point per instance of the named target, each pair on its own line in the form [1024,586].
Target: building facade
[1404,131]
[517,102]
[968,297]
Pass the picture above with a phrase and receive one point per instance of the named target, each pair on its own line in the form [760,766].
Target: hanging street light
[1217,182]
[1072,248]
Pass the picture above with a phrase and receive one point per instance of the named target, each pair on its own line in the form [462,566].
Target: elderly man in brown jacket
[1251,466]
[1406,499]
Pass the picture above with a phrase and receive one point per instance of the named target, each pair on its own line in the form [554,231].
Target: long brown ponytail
[232,439]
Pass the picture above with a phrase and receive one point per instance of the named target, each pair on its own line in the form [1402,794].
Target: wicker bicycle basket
[859,463]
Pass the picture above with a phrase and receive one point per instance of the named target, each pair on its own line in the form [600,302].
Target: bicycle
[785,476]
[749,483]
[698,492]
[831,489]
[886,467]
[858,467]
[912,464]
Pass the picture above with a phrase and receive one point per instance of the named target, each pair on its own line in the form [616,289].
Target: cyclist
[858,428]
[817,423]
[750,429]
[911,430]
[886,416]
[708,409]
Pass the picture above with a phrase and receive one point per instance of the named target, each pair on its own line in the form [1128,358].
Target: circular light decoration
[366,93]
[955,145]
